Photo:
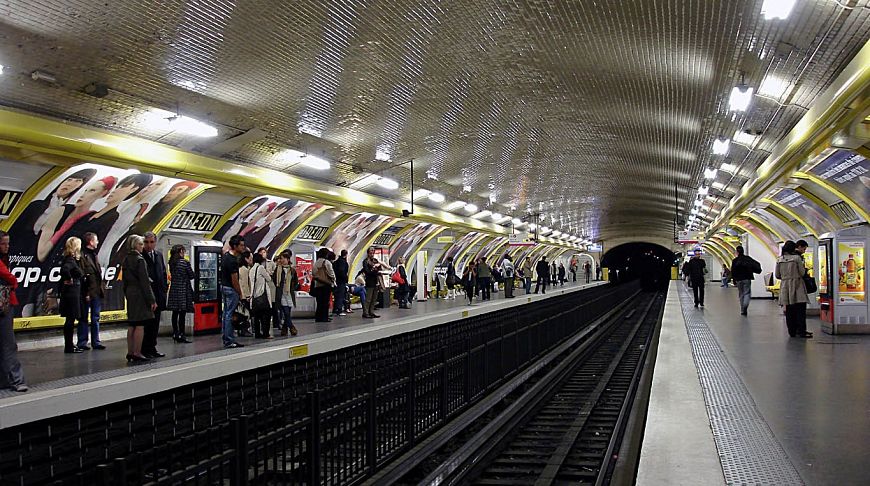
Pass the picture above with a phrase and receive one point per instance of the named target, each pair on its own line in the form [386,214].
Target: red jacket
[7,277]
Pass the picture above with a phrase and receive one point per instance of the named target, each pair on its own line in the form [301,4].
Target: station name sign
[8,200]
[197,221]
[312,232]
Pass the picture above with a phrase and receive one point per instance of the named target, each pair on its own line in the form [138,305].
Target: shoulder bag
[5,306]
[809,282]
[260,302]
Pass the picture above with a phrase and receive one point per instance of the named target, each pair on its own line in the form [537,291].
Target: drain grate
[748,450]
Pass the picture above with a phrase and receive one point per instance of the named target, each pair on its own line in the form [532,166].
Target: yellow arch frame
[833,190]
[783,208]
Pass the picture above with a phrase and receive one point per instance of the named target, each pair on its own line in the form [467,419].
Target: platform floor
[43,367]
[807,398]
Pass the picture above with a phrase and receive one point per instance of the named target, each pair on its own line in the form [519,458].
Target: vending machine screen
[208,276]
[823,269]
[851,272]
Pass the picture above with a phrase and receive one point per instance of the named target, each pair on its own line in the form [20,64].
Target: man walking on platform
[742,269]
[156,265]
[697,268]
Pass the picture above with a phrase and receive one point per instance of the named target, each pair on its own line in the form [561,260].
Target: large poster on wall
[850,272]
[809,211]
[848,172]
[353,233]
[110,202]
[407,242]
[458,246]
[266,222]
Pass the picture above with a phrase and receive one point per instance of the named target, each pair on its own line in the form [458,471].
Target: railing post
[120,473]
[240,443]
[372,426]
[445,386]
[412,400]
[314,438]
[467,371]
[104,475]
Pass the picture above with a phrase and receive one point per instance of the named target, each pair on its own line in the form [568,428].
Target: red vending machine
[206,285]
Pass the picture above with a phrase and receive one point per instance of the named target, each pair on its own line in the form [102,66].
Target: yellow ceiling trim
[833,190]
[763,225]
[816,199]
[788,211]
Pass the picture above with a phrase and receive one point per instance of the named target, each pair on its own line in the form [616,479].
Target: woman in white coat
[261,286]
[790,270]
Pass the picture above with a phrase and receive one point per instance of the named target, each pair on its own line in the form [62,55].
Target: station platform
[735,400]
[64,383]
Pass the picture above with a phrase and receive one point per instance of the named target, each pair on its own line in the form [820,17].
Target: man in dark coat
[156,265]
[92,294]
[542,269]
[742,269]
[696,268]
[341,269]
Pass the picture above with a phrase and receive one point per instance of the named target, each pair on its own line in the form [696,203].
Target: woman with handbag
[324,282]
[11,375]
[400,276]
[180,297]
[261,297]
[71,274]
[141,303]
[793,296]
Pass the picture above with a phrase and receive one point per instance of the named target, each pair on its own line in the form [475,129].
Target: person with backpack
[507,269]
[742,269]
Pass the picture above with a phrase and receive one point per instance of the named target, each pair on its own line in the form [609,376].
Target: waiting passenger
[371,269]
[587,270]
[230,289]
[92,294]
[358,288]
[262,298]
[507,269]
[526,274]
[790,269]
[484,278]
[159,285]
[554,273]
[697,269]
[561,274]
[342,271]
[71,291]
[572,267]
[725,276]
[140,299]
[403,290]
[322,284]
[180,300]
[742,269]
[243,317]
[542,269]
[469,279]
[11,375]
[286,283]
[450,280]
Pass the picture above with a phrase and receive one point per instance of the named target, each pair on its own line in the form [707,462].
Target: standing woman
[790,270]
[469,278]
[71,274]
[246,259]
[261,296]
[403,290]
[140,299]
[180,299]
[10,368]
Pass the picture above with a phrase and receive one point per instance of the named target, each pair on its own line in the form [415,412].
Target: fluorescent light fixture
[496,216]
[698,202]
[710,173]
[694,212]
[311,161]
[470,207]
[421,193]
[162,120]
[1,68]
[741,97]
[729,168]
[516,221]
[532,226]
[454,205]
[556,234]
[387,183]
[703,190]
[482,214]
[436,197]
[719,186]
[776,9]
[774,87]
[544,230]
[720,146]
[387,204]
[744,138]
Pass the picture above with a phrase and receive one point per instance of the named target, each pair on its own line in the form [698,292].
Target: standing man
[526,270]
[159,285]
[507,269]
[342,270]
[92,294]
[371,272]
[484,276]
[573,269]
[230,289]
[587,270]
[542,269]
[697,267]
[742,269]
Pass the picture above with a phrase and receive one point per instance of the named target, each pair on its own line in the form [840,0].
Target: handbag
[810,284]
[261,302]
[5,291]
[397,278]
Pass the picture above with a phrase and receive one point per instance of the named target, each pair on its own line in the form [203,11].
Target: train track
[563,426]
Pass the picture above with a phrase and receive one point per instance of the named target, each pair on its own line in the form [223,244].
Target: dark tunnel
[648,262]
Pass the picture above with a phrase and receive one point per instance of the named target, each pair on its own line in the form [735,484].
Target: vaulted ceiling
[588,112]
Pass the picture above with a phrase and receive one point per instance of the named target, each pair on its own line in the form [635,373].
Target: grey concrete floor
[813,393]
[43,366]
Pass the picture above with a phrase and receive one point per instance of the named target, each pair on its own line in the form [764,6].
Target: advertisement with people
[458,246]
[353,233]
[304,264]
[407,242]
[850,271]
[810,212]
[109,202]
[823,269]
[267,222]
[849,173]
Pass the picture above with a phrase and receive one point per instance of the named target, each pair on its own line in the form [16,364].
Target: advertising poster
[266,222]
[776,224]
[823,269]
[110,202]
[458,246]
[304,262]
[849,173]
[762,235]
[409,241]
[850,271]
[353,233]
[491,247]
[809,211]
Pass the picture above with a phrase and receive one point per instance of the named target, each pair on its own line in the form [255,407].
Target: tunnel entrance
[648,262]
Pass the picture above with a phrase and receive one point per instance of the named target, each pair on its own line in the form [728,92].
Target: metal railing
[329,419]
